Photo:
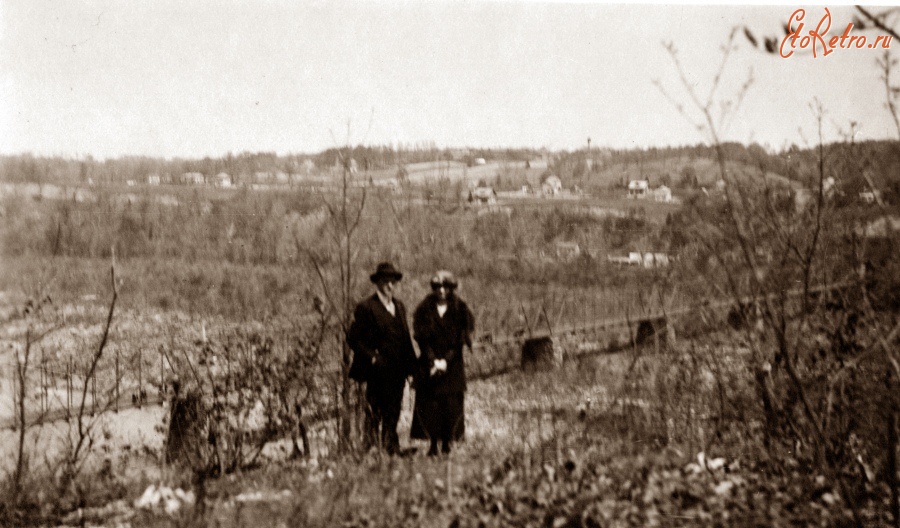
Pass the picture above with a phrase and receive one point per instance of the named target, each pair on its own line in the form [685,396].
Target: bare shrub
[820,354]
[237,396]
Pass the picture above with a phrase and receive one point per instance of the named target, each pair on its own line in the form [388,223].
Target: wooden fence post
[117,380]
[162,377]
[14,370]
[69,383]
[140,387]
[43,393]
[93,394]
[585,298]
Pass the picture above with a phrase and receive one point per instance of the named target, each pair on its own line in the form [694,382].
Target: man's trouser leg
[372,417]
[390,414]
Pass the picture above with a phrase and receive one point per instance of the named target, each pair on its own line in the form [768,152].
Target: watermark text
[818,40]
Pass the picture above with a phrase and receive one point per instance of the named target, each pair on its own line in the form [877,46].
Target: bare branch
[877,21]
[887,63]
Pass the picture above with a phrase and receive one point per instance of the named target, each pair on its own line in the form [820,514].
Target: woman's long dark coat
[441,338]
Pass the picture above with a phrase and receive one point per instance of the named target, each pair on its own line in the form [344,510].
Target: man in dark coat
[383,357]
[442,325]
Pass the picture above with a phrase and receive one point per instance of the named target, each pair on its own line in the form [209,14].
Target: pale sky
[201,78]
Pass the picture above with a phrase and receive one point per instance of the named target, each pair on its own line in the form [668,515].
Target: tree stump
[653,331]
[186,440]
[538,353]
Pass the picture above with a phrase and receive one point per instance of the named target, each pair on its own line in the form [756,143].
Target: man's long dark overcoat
[376,334]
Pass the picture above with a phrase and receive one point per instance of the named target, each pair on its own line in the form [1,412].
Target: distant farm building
[222,180]
[638,189]
[480,161]
[153,179]
[662,194]
[645,260]
[641,190]
[828,186]
[193,178]
[567,251]
[870,196]
[551,185]
[483,195]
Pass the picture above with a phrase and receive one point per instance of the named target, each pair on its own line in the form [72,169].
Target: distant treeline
[241,167]
[878,159]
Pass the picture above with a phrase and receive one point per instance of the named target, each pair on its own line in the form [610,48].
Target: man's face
[386,287]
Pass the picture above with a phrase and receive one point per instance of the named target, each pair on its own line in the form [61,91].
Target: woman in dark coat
[442,325]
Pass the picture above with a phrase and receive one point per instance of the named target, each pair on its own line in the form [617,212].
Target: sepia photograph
[453,263]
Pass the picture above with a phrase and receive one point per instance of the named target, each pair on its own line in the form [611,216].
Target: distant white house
[153,179]
[193,178]
[638,189]
[870,196]
[662,194]
[480,161]
[551,185]
[222,180]
[645,260]
[655,260]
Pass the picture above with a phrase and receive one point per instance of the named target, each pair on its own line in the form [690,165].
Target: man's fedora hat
[385,270]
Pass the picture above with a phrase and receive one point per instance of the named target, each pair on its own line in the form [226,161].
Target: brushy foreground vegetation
[576,447]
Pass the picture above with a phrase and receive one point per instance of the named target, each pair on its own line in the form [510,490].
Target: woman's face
[441,291]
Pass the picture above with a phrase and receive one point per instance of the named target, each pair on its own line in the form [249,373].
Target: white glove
[440,365]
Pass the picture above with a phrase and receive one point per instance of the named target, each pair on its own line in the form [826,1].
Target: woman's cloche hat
[445,278]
